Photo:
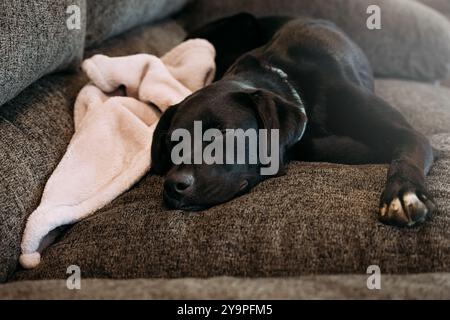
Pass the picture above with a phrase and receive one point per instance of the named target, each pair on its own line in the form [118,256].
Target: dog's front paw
[405,205]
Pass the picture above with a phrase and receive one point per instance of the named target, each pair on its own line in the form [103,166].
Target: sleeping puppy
[310,83]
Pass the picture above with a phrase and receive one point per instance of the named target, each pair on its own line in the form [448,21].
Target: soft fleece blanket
[110,150]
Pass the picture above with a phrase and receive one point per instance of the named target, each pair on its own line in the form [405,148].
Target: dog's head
[195,182]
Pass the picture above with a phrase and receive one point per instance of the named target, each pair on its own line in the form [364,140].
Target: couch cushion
[107,18]
[318,219]
[36,127]
[413,43]
[426,107]
[442,6]
[417,286]
[35,41]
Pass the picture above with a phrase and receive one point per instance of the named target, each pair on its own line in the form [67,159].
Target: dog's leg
[364,117]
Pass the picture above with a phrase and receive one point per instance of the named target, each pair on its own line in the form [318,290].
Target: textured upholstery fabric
[35,41]
[318,219]
[157,39]
[413,43]
[36,127]
[427,107]
[107,18]
[420,286]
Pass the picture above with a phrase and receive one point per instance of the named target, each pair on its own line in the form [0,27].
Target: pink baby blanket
[110,150]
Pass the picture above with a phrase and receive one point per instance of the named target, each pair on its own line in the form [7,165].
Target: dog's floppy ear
[275,112]
[161,161]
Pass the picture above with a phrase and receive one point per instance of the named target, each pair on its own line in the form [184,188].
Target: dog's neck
[254,84]
[285,79]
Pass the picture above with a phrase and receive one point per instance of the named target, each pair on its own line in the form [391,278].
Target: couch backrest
[413,41]
[42,36]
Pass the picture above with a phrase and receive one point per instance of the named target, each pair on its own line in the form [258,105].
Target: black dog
[272,70]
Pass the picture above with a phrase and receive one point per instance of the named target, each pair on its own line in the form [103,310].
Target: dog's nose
[179,184]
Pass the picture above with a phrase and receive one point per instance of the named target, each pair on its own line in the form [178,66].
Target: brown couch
[309,234]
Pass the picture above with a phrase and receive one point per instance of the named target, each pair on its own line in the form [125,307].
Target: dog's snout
[179,184]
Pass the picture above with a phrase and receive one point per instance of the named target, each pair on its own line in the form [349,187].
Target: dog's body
[309,80]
